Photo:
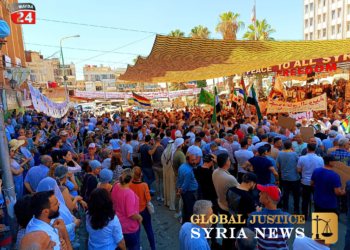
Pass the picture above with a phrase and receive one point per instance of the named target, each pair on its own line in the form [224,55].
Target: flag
[298,97]
[280,87]
[217,108]
[273,94]
[206,97]
[243,88]
[253,18]
[144,102]
[345,125]
[253,100]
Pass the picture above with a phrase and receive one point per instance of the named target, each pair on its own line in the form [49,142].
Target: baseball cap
[92,145]
[97,129]
[332,133]
[201,134]
[272,190]
[90,132]
[250,177]
[329,158]
[208,158]
[185,137]
[63,132]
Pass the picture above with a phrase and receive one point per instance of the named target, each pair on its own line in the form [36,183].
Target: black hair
[22,210]
[276,139]
[250,130]
[115,136]
[268,147]
[100,208]
[244,143]
[263,137]
[40,201]
[311,147]
[287,144]
[128,137]
[134,136]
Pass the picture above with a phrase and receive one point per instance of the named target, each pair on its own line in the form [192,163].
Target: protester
[178,158]
[116,165]
[90,179]
[36,174]
[106,176]
[106,158]
[23,215]
[142,191]
[104,228]
[242,156]
[158,169]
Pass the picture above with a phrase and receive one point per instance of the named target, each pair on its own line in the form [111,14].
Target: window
[339,12]
[104,76]
[339,28]
[333,30]
[319,18]
[333,14]
[97,77]
[319,34]
[324,33]
[311,36]
[32,78]
[311,21]
[306,8]
[111,76]
[324,18]
[311,6]
[306,23]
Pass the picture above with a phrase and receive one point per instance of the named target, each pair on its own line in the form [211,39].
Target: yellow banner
[317,103]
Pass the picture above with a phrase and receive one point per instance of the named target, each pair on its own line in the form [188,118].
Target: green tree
[201,84]
[177,33]
[135,60]
[263,31]
[200,32]
[228,26]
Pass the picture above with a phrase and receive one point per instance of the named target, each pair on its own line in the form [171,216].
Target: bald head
[218,141]
[38,240]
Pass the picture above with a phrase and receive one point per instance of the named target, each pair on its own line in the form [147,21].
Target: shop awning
[176,59]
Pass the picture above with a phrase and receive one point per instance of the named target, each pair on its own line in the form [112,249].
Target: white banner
[123,95]
[300,116]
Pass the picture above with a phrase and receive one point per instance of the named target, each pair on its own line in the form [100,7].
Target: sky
[132,25]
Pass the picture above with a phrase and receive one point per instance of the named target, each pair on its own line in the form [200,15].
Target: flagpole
[255,19]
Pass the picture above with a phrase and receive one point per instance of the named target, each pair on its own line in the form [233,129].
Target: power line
[97,26]
[115,49]
[93,50]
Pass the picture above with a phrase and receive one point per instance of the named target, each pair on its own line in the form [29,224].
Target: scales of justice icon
[326,231]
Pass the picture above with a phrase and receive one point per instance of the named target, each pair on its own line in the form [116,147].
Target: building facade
[99,78]
[326,19]
[43,71]
[124,86]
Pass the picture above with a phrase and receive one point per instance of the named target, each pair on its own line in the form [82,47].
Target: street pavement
[166,228]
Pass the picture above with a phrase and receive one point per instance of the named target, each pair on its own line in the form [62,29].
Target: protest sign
[343,171]
[286,122]
[307,133]
[317,103]
[300,116]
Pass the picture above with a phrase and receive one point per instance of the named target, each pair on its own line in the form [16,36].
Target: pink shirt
[126,204]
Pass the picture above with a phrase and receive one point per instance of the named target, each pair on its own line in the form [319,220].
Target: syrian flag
[253,100]
[217,108]
[253,18]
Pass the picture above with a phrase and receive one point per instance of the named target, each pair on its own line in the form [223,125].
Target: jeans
[306,195]
[147,225]
[189,198]
[148,176]
[18,186]
[293,186]
[158,173]
[347,235]
[319,209]
[132,241]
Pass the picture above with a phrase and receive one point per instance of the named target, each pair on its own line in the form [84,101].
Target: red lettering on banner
[300,71]
[308,70]
[319,68]
[293,72]
[279,73]
[331,67]
[285,73]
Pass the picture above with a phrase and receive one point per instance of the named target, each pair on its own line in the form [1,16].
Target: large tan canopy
[176,59]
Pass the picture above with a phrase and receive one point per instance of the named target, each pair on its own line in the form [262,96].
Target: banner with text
[123,95]
[317,103]
[307,115]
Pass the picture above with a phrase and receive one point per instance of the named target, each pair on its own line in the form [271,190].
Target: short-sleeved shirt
[299,148]
[196,151]
[288,162]
[125,149]
[242,157]
[146,159]
[325,182]
[157,157]
[308,164]
[35,175]
[261,167]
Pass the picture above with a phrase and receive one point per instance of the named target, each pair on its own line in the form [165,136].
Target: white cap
[63,132]
[265,117]
[92,145]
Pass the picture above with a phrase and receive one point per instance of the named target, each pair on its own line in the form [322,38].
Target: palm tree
[177,33]
[263,31]
[228,26]
[200,32]
[135,60]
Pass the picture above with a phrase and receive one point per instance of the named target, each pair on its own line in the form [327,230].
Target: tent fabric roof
[175,59]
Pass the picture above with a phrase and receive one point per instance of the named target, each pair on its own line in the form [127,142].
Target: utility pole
[8,185]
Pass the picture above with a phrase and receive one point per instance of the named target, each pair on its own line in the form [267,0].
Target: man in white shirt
[191,133]
[93,120]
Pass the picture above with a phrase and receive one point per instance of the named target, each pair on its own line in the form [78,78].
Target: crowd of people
[104,168]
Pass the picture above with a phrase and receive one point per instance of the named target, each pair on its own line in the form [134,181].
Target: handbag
[149,204]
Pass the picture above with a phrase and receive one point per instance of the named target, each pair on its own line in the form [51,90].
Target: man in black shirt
[240,201]
[204,178]
[146,161]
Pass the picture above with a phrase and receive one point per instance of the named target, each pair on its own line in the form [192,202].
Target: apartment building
[99,78]
[124,86]
[326,19]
